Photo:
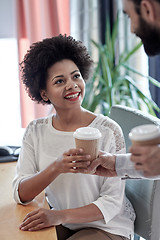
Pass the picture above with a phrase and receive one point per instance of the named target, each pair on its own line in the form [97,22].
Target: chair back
[143,194]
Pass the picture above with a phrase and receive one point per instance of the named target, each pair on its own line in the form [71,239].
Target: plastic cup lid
[87,133]
[145,132]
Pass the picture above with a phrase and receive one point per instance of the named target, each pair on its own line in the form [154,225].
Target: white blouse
[41,146]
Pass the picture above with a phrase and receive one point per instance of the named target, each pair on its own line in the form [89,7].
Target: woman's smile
[72,96]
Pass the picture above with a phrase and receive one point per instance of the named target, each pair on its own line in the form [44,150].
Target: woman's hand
[72,161]
[43,218]
[39,219]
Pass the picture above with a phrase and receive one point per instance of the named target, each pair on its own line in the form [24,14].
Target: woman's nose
[71,85]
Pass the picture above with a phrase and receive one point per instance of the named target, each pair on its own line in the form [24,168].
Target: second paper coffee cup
[88,139]
[148,134]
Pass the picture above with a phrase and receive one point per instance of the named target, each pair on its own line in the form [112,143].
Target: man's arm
[125,167]
[119,165]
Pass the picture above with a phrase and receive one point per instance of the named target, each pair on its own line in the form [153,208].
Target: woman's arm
[42,218]
[30,187]
[104,208]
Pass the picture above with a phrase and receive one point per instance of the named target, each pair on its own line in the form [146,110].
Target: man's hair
[42,55]
[138,2]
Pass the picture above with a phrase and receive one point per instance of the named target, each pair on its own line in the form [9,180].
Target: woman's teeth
[72,96]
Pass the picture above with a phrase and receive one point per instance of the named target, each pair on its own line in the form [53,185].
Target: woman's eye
[59,81]
[77,76]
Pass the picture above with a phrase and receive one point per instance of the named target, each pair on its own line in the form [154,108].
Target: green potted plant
[112,82]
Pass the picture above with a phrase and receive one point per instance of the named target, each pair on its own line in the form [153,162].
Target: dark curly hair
[42,55]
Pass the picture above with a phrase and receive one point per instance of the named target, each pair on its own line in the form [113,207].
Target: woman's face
[65,87]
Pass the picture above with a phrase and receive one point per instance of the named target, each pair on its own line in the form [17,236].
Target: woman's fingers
[73,160]
[76,159]
[74,151]
[31,220]
[80,164]
[36,220]
[30,214]
[37,227]
[41,218]
[33,226]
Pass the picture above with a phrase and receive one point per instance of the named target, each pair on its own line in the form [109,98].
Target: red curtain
[36,20]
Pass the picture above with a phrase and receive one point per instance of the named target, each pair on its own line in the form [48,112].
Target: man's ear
[148,11]
[44,95]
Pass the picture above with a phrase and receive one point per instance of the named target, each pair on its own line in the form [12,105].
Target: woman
[82,206]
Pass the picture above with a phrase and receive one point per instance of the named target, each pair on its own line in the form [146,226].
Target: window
[10,121]
[88,20]
[84,22]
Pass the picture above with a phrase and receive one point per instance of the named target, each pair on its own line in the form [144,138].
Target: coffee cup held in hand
[148,134]
[88,139]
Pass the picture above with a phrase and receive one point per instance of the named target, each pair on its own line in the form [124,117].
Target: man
[145,22]
[142,161]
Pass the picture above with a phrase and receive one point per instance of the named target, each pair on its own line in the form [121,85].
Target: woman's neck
[69,121]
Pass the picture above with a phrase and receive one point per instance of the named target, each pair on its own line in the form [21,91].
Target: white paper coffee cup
[148,134]
[88,139]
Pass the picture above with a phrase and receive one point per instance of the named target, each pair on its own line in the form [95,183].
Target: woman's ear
[148,11]
[44,95]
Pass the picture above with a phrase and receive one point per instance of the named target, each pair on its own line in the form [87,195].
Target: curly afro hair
[42,55]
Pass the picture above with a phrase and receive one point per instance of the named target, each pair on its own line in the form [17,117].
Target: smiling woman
[54,71]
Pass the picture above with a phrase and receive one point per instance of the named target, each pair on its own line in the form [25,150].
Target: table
[12,214]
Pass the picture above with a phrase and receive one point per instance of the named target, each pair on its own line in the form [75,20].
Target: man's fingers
[94,164]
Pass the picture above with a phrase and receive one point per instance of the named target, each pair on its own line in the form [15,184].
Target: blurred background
[23,22]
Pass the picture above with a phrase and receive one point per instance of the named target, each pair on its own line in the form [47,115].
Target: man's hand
[147,159]
[104,165]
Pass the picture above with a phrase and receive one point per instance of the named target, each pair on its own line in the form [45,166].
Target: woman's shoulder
[40,121]
[110,130]
[106,122]
[35,124]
